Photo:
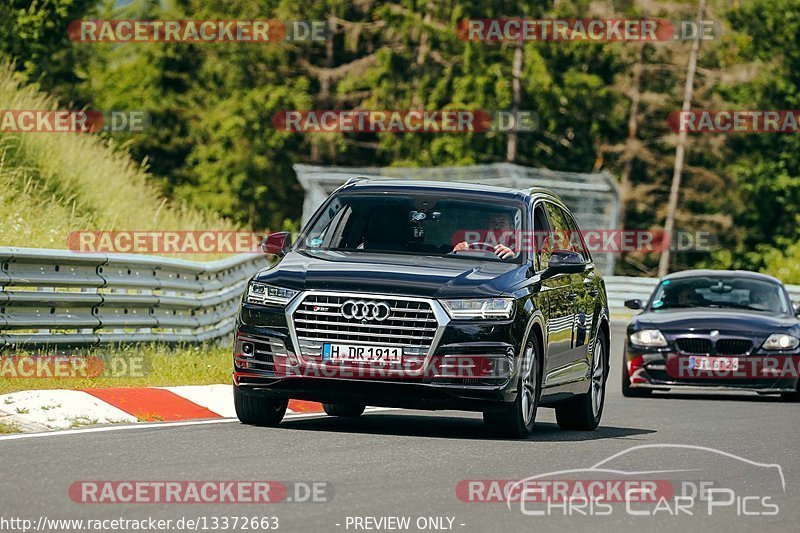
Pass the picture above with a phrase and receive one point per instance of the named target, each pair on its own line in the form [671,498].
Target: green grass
[163,366]
[54,183]
[6,429]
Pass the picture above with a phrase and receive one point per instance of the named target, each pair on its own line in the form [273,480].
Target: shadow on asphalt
[449,427]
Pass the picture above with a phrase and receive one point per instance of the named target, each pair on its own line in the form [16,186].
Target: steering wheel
[489,247]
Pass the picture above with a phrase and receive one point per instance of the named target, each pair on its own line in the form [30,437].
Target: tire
[344,409]
[257,410]
[791,397]
[627,390]
[583,412]
[518,419]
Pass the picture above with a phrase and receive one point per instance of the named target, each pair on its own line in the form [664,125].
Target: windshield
[723,291]
[417,224]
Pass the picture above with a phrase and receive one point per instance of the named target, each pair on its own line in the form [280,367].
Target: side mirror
[634,304]
[796,308]
[277,243]
[564,262]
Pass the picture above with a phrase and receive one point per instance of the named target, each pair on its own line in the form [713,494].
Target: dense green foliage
[212,143]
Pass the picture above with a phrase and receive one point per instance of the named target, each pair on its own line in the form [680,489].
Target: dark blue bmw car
[712,329]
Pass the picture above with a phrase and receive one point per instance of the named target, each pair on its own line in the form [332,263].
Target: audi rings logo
[363,310]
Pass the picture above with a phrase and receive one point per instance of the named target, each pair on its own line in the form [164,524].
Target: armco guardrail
[621,288]
[66,299]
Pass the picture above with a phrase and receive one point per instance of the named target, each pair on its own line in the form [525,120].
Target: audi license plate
[361,353]
[714,363]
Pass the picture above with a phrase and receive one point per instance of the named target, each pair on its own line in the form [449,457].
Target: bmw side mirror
[564,262]
[277,243]
[635,304]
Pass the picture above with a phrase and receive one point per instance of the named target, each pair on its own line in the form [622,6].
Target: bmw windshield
[430,224]
[721,292]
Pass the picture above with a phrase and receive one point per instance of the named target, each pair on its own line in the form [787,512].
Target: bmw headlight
[479,308]
[648,338]
[263,294]
[781,341]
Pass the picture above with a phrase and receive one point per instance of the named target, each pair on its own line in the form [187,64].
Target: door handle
[572,296]
[593,292]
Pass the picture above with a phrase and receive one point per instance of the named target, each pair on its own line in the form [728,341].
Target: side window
[566,235]
[541,230]
[558,228]
[576,237]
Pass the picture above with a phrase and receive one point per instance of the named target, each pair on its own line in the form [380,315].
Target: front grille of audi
[410,324]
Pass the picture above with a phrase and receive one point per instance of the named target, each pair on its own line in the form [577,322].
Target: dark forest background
[600,105]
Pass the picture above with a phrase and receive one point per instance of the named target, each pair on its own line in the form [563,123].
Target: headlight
[781,341]
[649,338]
[263,294]
[485,308]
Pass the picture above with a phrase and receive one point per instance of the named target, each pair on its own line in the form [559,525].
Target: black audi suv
[712,329]
[427,295]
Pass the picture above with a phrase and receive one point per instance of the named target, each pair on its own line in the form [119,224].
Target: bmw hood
[726,321]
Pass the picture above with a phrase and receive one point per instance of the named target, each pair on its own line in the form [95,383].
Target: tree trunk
[633,129]
[680,150]
[516,90]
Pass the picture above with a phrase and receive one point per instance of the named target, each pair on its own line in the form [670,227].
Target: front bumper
[273,368]
[402,394]
[666,369]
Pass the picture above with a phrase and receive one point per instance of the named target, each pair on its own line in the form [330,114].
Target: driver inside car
[497,222]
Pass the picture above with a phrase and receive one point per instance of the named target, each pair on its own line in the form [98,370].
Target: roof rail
[355,179]
[538,190]
[349,182]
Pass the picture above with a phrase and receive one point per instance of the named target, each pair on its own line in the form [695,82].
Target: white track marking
[104,429]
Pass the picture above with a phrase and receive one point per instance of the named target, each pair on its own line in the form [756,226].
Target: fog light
[248,350]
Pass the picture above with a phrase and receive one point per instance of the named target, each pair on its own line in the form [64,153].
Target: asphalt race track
[408,464]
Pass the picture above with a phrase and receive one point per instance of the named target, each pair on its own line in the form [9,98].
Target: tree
[35,37]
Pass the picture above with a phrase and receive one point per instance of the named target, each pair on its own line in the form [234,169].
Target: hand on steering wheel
[500,250]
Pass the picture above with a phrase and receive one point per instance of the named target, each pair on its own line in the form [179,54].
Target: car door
[560,298]
[587,287]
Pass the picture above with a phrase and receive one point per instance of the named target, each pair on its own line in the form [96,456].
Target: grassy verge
[146,366]
[80,181]
[7,429]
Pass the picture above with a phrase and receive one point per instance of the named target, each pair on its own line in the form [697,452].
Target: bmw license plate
[361,353]
[715,364]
